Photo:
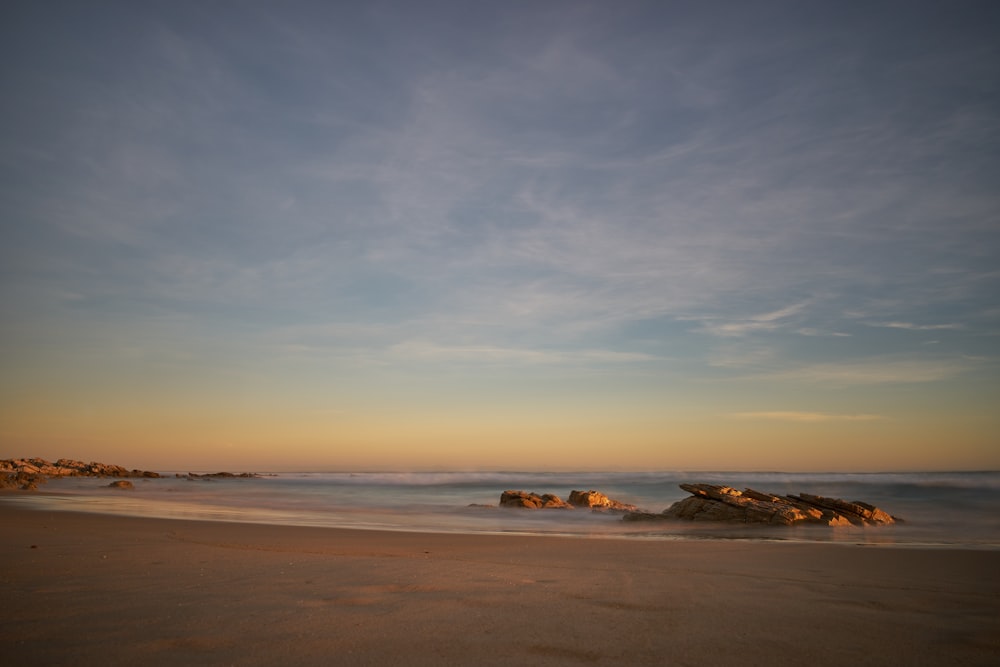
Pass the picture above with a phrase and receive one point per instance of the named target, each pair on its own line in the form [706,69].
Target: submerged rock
[121,484]
[711,502]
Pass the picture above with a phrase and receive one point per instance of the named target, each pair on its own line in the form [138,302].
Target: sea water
[940,509]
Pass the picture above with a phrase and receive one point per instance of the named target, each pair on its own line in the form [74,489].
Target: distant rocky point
[219,475]
[710,502]
[27,474]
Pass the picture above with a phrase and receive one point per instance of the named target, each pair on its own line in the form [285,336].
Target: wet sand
[87,589]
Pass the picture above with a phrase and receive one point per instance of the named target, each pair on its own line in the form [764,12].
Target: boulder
[121,484]
[711,502]
[528,500]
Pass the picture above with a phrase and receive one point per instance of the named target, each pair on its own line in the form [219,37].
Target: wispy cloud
[425,351]
[910,326]
[768,321]
[807,417]
[811,331]
[873,372]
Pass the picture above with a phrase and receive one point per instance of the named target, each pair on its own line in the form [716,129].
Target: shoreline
[677,530]
[108,589]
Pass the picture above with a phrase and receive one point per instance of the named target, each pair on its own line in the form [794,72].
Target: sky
[514,235]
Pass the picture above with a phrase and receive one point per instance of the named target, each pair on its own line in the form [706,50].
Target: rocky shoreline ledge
[27,474]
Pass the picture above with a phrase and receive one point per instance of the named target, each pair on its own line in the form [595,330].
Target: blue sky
[389,234]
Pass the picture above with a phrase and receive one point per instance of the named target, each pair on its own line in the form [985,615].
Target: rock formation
[710,502]
[532,500]
[26,481]
[587,499]
[121,484]
[27,474]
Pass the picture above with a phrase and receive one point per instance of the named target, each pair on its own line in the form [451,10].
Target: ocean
[940,509]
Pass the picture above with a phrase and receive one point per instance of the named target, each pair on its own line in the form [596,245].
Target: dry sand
[84,589]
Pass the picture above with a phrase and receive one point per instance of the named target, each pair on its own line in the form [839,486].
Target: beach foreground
[92,589]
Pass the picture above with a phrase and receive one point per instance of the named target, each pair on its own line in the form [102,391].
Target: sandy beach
[88,589]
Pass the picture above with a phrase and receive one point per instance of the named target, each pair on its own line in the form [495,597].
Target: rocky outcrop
[597,501]
[121,484]
[710,502]
[532,501]
[586,499]
[26,481]
[29,473]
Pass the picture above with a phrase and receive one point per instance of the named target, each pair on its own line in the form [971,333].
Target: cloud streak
[803,417]
[909,326]
[424,351]
[873,372]
[763,322]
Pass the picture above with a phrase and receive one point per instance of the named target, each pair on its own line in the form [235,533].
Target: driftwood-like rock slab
[711,502]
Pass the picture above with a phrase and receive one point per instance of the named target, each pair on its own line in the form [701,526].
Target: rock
[711,502]
[594,500]
[221,475]
[856,512]
[532,500]
[598,501]
[25,481]
[68,468]
[121,484]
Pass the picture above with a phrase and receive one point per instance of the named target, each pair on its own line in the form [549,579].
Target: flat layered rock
[712,502]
